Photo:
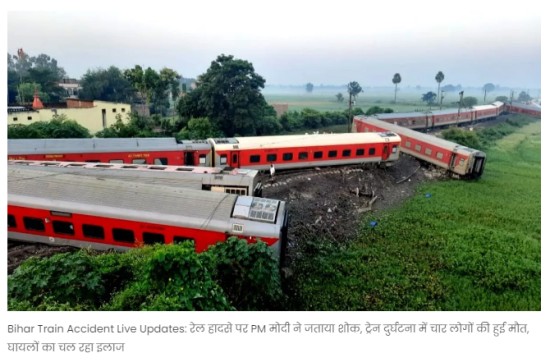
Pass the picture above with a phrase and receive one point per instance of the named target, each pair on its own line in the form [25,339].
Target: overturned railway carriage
[304,151]
[82,211]
[457,159]
[231,181]
[522,108]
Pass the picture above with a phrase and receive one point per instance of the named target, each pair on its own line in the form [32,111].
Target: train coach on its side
[457,159]
[83,211]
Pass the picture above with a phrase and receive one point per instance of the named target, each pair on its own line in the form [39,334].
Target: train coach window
[181,239]
[63,227]
[96,161]
[408,144]
[394,149]
[139,161]
[123,235]
[318,154]
[302,156]
[223,160]
[428,151]
[160,161]
[332,153]
[93,231]
[287,156]
[418,148]
[116,161]
[372,151]
[254,158]
[202,160]
[32,223]
[271,157]
[153,238]
[360,152]
[11,221]
[439,155]
[346,153]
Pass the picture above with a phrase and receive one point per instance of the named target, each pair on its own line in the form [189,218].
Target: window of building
[124,235]
[33,223]
[93,231]
[318,154]
[63,227]
[418,148]
[254,158]
[271,157]
[15,118]
[139,161]
[302,156]
[11,221]
[114,110]
[153,238]
[360,152]
[346,153]
[287,156]
[332,153]
[29,118]
[372,151]
[123,110]
[439,155]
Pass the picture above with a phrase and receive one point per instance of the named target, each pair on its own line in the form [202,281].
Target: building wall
[101,115]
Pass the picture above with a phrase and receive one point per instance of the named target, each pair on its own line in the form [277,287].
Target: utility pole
[461,93]
[350,115]
[441,99]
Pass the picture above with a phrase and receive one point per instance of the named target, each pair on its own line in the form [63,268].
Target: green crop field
[457,245]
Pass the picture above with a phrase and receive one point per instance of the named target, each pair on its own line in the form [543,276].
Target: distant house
[71,86]
[94,115]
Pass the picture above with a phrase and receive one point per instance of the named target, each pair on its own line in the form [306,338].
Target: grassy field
[457,245]
[408,100]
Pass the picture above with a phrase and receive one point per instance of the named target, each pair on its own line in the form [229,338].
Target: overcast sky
[294,42]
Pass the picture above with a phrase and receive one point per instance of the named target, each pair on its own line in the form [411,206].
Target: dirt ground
[327,201]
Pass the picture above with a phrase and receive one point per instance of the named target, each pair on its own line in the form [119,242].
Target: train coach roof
[115,198]
[90,145]
[484,107]
[533,107]
[400,115]
[406,132]
[306,140]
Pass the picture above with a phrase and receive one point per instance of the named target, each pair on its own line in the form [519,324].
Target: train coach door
[234,162]
[386,151]
[189,158]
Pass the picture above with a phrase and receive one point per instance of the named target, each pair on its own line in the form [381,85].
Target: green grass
[471,245]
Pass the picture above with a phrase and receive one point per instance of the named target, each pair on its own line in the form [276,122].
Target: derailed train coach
[83,211]
[457,159]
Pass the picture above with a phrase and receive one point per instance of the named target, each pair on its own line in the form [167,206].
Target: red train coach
[153,151]
[303,151]
[522,108]
[83,211]
[459,160]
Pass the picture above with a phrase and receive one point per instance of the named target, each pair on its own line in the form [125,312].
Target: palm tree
[439,78]
[396,80]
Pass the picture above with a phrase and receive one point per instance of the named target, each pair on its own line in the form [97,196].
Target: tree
[197,129]
[106,85]
[469,102]
[41,69]
[524,97]
[58,127]
[229,95]
[339,98]
[309,87]
[429,98]
[489,87]
[353,90]
[502,99]
[396,80]
[439,78]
